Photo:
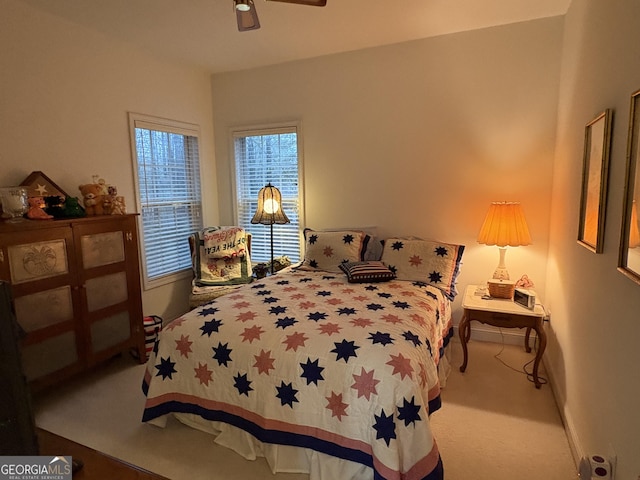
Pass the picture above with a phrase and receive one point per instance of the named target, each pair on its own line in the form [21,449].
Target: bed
[331,367]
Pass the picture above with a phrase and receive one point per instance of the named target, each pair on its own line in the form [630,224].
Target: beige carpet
[494,424]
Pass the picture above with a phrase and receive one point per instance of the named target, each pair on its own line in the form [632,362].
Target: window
[167,172]
[263,156]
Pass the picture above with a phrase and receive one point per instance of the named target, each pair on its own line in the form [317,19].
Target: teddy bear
[36,212]
[93,197]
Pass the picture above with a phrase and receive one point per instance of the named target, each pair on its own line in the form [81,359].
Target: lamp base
[501,272]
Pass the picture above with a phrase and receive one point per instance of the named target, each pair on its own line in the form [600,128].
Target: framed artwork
[39,185]
[629,257]
[595,173]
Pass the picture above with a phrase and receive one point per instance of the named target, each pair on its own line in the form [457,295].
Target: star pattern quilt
[309,360]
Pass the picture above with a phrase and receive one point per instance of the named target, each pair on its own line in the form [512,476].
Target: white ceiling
[204,32]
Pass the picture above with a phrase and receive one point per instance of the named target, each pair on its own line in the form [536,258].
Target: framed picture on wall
[629,257]
[595,173]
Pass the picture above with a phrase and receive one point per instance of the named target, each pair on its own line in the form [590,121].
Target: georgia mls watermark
[35,468]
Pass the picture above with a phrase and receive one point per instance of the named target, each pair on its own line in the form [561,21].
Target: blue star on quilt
[401,305]
[412,337]
[285,322]
[385,427]
[211,326]
[222,354]
[374,307]
[435,277]
[323,293]
[409,412]
[316,316]
[381,338]
[348,239]
[277,310]
[286,394]
[271,300]
[208,311]
[384,295]
[166,368]
[313,239]
[242,384]
[397,246]
[344,350]
[311,371]
[441,251]
[347,311]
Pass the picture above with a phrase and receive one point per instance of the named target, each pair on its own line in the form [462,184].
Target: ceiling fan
[247,16]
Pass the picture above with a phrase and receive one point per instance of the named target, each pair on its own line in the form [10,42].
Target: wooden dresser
[75,285]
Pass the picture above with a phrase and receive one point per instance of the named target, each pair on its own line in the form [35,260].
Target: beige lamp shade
[269,209]
[504,226]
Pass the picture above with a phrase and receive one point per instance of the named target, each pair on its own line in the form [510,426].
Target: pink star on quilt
[336,405]
[401,365]
[295,340]
[252,333]
[244,316]
[365,384]
[184,346]
[264,362]
[203,374]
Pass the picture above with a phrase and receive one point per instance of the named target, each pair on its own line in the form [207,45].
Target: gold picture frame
[595,179]
[629,255]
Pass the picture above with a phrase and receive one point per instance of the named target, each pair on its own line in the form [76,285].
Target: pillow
[434,263]
[367,272]
[220,256]
[326,250]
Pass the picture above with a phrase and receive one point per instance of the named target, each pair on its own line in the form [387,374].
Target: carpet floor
[493,424]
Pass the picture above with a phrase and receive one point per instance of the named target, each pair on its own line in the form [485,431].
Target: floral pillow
[434,263]
[325,250]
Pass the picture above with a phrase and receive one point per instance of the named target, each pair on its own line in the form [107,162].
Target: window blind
[168,178]
[262,157]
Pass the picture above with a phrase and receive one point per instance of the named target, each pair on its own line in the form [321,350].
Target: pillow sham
[367,272]
[326,250]
[431,262]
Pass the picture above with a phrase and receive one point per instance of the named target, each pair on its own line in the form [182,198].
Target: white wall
[416,138]
[64,96]
[594,350]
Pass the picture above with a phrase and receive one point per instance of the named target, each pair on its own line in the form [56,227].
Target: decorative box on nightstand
[504,313]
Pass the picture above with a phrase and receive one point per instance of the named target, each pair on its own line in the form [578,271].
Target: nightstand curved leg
[464,329]
[526,340]
[542,336]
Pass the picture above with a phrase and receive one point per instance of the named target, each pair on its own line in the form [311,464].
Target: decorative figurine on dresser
[75,284]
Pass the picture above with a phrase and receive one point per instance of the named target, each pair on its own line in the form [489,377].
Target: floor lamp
[269,211]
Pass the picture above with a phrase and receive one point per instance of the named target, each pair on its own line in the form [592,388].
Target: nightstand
[501,313]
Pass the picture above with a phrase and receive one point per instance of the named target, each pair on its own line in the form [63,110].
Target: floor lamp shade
[504,226]
[269,209]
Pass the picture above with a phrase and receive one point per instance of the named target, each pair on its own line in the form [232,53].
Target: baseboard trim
[572,437]
[487,333]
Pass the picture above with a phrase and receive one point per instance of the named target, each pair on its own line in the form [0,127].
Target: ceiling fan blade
[312,3]
[247,20]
